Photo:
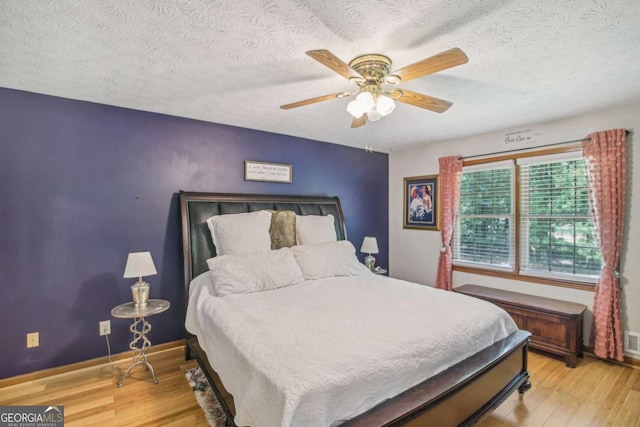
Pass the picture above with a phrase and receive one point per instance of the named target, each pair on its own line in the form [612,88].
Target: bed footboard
[459,396]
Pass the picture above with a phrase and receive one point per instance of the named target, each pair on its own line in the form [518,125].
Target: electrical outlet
[105,327]
[33,339]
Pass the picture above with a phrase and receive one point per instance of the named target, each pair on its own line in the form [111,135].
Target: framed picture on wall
[421,209]
[267,172]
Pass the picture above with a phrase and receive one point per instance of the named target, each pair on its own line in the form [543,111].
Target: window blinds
[556,234]
[484,232]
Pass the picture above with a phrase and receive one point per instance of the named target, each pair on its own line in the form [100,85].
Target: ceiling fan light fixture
[370,72]
[385,105]
[363,103]
[354,108]
[366,100]
[374,116]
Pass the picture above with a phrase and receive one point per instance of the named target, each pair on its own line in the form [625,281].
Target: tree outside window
[555,235]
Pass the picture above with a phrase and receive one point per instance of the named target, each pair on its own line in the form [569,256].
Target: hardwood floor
[91,398]
[596,393]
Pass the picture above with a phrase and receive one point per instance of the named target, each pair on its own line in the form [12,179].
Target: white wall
[413,254]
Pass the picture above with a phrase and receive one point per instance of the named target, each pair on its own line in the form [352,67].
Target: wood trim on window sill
[541,280]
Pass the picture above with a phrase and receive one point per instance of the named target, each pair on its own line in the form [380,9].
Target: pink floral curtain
[605,155]
[450,173]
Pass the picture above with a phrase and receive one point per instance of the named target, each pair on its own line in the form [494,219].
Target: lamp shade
[355,109]
[139,264]
[374,116]
[369,245]
[385,105]
[363,103]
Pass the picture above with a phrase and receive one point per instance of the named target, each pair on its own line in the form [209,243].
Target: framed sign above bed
[421,208]
[267,172]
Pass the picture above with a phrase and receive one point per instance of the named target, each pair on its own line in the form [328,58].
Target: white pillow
[328,259]
[241,233]
[202,280]
[242,274]
[312,229]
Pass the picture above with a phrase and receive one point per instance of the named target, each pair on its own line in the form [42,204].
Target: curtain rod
[530,148]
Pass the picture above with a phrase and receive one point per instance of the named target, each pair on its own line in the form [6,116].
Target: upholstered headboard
[196,208]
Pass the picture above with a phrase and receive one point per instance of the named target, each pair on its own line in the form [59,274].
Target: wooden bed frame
[460,395]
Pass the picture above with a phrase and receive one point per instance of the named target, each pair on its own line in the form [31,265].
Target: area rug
[205,397]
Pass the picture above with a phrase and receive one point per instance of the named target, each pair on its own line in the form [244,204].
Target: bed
[460,394]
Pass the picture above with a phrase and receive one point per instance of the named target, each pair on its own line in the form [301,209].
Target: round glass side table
[140,328]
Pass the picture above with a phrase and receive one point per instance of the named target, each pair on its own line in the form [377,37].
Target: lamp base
[370,261]
[140,294]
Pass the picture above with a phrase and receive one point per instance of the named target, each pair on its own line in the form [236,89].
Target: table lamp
[369,246]
[140,264]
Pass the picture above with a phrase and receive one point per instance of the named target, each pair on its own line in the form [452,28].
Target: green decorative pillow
[283,229]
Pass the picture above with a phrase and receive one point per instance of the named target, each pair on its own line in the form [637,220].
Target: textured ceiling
[236,61]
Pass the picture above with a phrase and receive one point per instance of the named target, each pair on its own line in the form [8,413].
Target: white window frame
[523,226]
[577,281]
[510,164]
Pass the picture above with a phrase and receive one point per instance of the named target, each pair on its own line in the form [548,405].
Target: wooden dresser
[555,326]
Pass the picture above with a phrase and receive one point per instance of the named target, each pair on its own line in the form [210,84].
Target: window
[557,236]
[484,233]
[541,229]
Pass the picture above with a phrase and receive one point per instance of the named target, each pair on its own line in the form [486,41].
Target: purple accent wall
[70,172]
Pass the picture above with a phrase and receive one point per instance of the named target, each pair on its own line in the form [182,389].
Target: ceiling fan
[371,72]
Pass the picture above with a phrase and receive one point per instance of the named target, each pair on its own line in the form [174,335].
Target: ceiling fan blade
[356,123]
[422,101]
[314,100]
[329,60]
[442,61]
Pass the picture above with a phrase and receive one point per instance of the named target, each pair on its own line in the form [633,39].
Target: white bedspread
[326,350]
